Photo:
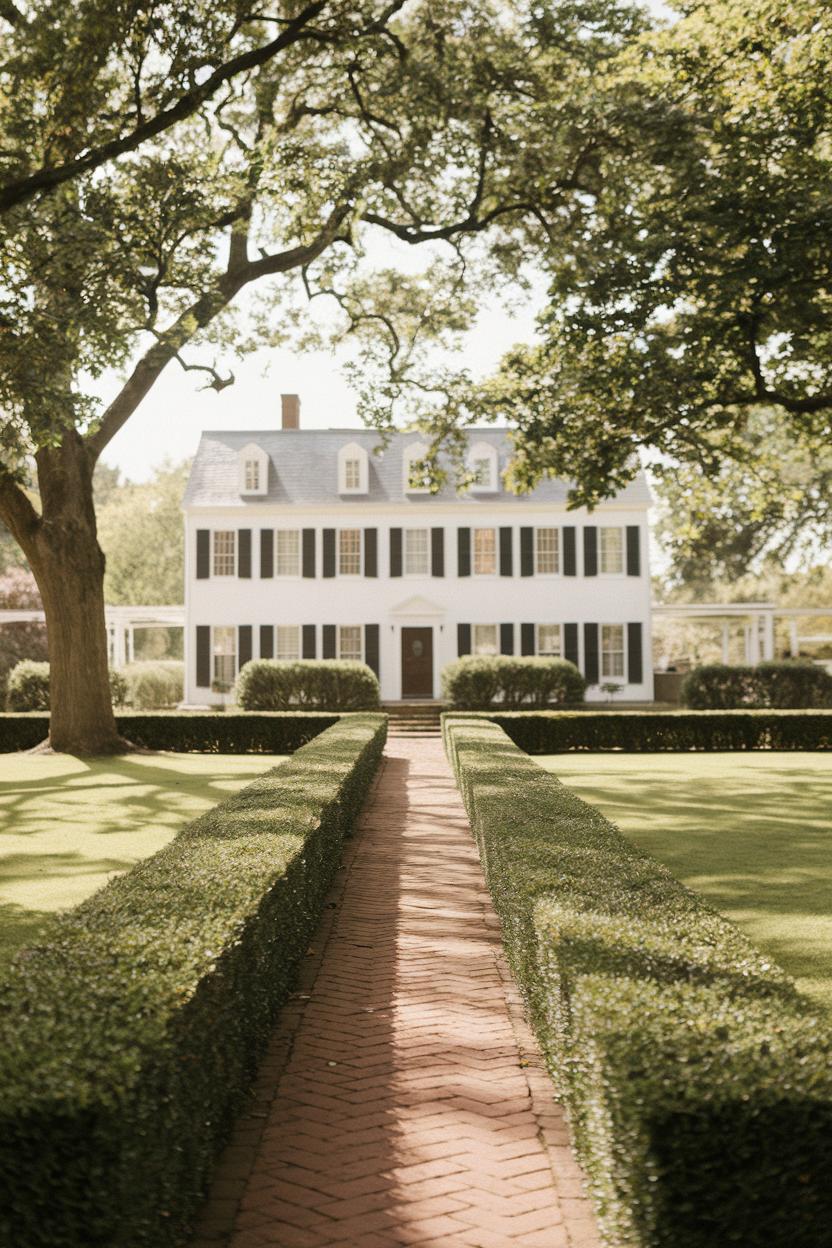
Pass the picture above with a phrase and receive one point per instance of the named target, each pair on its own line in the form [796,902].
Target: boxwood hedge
[698,1082]
[781,683]
[184,732]
[129,1035]
[552,732]
[476,682]
[319,684]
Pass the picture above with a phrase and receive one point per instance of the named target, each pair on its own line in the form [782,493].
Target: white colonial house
[303,543]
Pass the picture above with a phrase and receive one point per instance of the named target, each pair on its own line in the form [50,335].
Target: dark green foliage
[129,1036]
[636,732]
[184,733]
[151,686]
[320,684]
[28,687]
[476,682]
[787,683]
[698,1082]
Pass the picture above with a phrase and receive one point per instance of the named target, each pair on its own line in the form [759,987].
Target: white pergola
[758,619]
[122,623]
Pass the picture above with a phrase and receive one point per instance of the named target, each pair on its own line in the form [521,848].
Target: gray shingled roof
[303,469]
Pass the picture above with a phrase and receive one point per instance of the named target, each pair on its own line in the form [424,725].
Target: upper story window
[416,479]
[548,640]
[288,642]
[253,467]
[225,552]
[547,552]
[484,639]
[482,464]
[353,469]
[349,552]
[349,642]
[611,549]
[612,650]
[485,552]
[416,552]
[287,552]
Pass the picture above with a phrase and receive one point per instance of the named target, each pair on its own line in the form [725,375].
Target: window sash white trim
[350,638]
[350,552]
[224,552]
[611,550]
[547,551]
[223,654]
[613,652]
[484,552]
[485,639]
[287,642]
[416,552]
[287,559]
[551,648]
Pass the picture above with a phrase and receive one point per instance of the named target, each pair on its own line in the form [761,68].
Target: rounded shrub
[153,686]
[318,684]
[28,687]
[785,684]
[477,682]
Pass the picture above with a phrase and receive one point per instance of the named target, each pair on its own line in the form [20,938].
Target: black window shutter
[591,653]
[570,561]
[506,639]
[463,552]
[244,644]
[570,642]
[244,553]
[308,552]
[505,552]
[203,554]
[371,647]
[203,656]
[590,550]
[527,638]
[329,650]
[308,645]
[526,552]
[463,639]
[635,665]
[395,552]
[267,552]
[371,552]
[266,641]
[633,551]
[329,552]
[437,552]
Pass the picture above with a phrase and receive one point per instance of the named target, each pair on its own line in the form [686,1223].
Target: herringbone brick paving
[403,1101]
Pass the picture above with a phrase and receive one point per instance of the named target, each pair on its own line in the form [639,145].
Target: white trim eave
[459,507]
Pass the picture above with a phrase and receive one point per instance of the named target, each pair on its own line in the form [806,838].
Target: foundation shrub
[320,684]
[477,682]
[785,684]
[153,686]
[129,1035]
[697,1080]
[28,687]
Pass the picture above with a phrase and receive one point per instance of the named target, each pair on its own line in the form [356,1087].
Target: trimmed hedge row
[129,1036]
[698,1082]
[321,684]
[476,682]
[634,732]
[185,732]
[787,684]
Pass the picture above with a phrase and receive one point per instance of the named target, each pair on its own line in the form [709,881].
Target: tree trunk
[68,565]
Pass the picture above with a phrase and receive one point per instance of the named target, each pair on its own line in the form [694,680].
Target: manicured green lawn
[752,832]
[67,825]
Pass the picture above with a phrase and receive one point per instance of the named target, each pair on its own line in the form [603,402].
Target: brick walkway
[402,1101]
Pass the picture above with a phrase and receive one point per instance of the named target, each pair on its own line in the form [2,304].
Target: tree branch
[17,512]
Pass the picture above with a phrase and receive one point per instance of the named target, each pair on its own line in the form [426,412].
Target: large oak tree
[130,240]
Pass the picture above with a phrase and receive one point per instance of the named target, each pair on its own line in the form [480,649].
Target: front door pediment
[418,606]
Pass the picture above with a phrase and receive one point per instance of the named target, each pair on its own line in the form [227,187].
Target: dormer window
[416,480]
[253,470]
[482,464]
[352,470]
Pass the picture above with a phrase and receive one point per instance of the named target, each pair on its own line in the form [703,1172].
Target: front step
[413,719]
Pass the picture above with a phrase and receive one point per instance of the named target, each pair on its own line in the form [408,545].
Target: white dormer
[483,466]
[253,470]
[352,469]
[415,482]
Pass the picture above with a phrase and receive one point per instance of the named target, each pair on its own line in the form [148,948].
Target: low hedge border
[698,1082]
[182,731]
[634,732]
[129,1035]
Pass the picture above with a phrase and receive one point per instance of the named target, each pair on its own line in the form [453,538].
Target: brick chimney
[290,411]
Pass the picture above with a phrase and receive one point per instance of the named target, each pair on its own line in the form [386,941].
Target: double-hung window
[224,655]
[484,639]
[612,651]
[225,544]
[352,474]
[288,642]
[349,552]
[611,543]
[287,552]
[251,475]
[548,640]
[547,552]
[485,552]
[416,552]
[349,642]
